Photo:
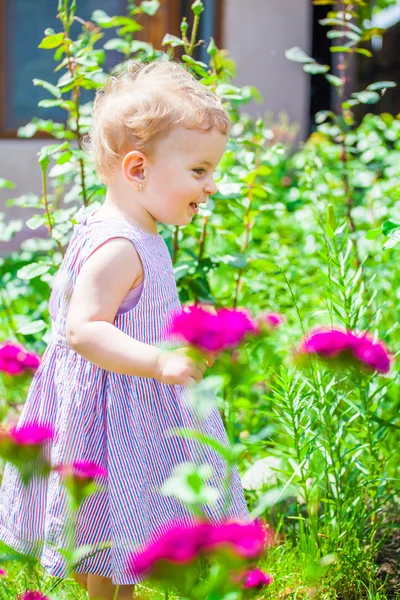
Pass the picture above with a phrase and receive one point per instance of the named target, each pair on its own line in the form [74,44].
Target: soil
[388,561]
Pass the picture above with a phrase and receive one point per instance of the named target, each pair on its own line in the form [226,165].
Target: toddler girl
[105,384]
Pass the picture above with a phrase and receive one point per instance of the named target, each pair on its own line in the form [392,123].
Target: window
[22,25]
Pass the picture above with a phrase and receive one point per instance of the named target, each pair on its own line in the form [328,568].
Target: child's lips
[195,207]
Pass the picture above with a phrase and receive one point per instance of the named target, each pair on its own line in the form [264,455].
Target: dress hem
[50,559]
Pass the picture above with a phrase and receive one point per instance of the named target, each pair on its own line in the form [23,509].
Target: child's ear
[133,168]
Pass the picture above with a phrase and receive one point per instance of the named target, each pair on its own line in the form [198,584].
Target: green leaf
[345,49]
[27,130]
[367,97]
[364,52]
[35,222]
[172,40]
[100,17]
[238,260]
[33,270]
[331,217]
[372,234]
[4,183]
[315,68]
[33,327]
[296,54]
[50,103]
[323,115]
[393,240]
[52,41]
[380,85]
[117,44]
[212,48]
[54,91]
[334,80]
[388,226]
[150,7]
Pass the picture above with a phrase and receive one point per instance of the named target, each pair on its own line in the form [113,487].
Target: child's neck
[123,206]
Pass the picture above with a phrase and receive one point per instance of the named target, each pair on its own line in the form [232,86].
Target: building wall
[256,33]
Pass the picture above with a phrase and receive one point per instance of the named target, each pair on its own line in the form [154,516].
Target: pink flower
[335,343]
[256,579]
[373,355]
[182,544]
[31,434]
[247,540]
[212,332]
[82,471]
[30,595]
[270,319]
[327,342]
[14,359]
[3,573]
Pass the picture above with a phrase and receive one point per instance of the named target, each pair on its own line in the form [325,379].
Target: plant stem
[193,37]
[48,215]
[175,245]
[202,241]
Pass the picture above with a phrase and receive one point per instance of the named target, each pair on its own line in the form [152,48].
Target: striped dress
[118,421]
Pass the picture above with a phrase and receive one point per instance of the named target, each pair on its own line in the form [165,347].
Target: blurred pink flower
[248,540]
[326,342]
[31,595]
[23,446]
[3,573]
[372,354]
[82,472]
[212,332]
[14,359]
[31,434]
[256,579]
[332,343]
[270,319]
[182,544]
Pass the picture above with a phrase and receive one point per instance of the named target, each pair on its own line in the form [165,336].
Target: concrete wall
[256,34]
[18,163]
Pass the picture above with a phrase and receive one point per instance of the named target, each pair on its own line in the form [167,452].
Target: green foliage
[311,232]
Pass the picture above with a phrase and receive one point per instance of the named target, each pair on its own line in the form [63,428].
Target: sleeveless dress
[120,422]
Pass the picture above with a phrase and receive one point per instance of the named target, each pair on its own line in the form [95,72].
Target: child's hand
[175,367]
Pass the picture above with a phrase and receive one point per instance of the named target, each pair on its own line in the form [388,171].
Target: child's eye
[201,171]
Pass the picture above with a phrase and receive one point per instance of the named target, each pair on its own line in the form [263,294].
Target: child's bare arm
[103,282]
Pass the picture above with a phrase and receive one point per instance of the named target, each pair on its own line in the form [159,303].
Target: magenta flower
[348,345]
[256,579]
[3,573]
[327,342]
[374,355]
[212,332]
[270,320]
[79,479]
[14,359]
[31,595]
[247,540]
[82,472]
[31,434]
[182,544]
[23,447]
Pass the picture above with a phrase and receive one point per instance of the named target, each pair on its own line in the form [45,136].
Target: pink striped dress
[117,421]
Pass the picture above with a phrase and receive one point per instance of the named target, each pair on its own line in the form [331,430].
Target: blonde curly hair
[140,103]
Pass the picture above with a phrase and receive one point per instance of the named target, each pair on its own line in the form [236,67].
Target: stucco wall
[257,33]
[18,163]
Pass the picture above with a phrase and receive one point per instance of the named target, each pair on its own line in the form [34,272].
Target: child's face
[180,175]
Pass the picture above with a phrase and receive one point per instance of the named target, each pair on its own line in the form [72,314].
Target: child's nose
[211,188]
